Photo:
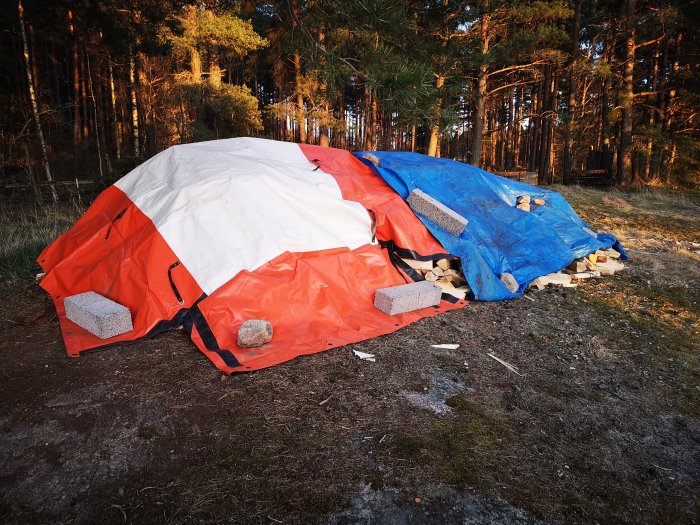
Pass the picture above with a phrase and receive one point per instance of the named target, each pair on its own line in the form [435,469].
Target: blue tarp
[499,237]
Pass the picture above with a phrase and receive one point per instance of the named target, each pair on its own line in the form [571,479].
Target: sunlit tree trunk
[134,108]
[301,117]
[215,73]
[481,83]
[652,114]
[324,139]
[113,100]
[624,155]
[571,106]
[437,114]
[32,99]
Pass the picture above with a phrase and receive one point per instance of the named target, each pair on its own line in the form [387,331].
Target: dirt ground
[601,426]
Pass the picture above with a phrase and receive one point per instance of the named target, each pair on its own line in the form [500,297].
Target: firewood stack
[443,272]
[602,262]
[447,274]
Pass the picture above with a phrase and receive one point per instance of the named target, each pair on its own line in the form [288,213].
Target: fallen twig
[507,365]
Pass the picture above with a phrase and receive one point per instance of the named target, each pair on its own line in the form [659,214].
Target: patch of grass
[462,450]
[146,432]
[407,446]
[25,232]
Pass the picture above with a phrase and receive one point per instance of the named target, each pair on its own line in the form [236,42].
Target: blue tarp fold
[499,237]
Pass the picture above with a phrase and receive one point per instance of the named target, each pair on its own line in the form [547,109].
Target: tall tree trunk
[195,65]
[32,98]
[481,84]
[652,114]
[624,155]
[605,100]
[94,112]
[113,99]
[84,98]
[215,73]
[76,81]
[324,139]
[437,114]
[535,125]
[571,107]
[301,118]
[134,107]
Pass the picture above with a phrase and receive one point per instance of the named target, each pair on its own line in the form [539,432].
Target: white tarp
[235,204]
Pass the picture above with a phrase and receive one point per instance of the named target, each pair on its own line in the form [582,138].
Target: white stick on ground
[507,365]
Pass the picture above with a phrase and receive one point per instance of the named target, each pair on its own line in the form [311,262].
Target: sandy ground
[601,425]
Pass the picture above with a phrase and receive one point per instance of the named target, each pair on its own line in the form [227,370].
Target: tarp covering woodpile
[212,234]
[500,238]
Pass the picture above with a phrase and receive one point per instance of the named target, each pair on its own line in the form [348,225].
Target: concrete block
[407,297]
[98,315]
[446,218]
[254,332]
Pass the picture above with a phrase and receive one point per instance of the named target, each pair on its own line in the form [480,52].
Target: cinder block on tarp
[98,315]
[445,217]
[407,297]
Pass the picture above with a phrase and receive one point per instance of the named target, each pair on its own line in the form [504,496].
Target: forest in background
[90,88]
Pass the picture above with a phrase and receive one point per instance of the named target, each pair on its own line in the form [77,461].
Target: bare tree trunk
[35,106]
[84,99]
[437,114]
[113,98]
[324,138]
[481,84]
[605,101]
[215,73]
[535,125]
[624,155]
[76,82]
[94,109]
[300,98]
[652,116]
[134,108]
[571,109]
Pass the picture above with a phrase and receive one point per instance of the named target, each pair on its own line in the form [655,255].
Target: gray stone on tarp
[372,158]
[254,332]
[509,282]
[407,297]
[448,219]
[98,315]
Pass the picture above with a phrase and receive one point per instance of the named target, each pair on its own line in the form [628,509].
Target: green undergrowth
[25,232]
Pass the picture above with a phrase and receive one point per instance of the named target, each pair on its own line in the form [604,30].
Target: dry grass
[25,231]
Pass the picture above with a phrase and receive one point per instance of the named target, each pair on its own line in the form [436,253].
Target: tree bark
[437,114]
[301,118]
[624,155]
[84,98]
[32,98]
[113,99]
[215,73]
[76,81]
[134,107]
[571,107]
[94,110]
[481,84]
